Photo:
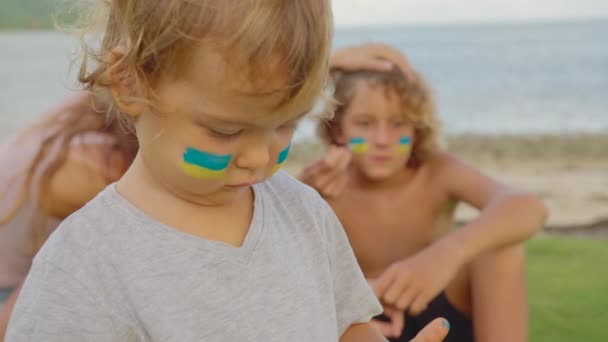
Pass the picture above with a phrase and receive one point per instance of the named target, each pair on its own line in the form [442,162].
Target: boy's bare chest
[384,228]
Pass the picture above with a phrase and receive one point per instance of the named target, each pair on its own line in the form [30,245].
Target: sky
[378,12]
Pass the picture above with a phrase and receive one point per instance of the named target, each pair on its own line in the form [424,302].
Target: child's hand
[435,331]
[394,327]
[328,175]
[411,284]
[370,56]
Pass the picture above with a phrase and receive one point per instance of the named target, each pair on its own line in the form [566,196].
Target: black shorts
[461,329]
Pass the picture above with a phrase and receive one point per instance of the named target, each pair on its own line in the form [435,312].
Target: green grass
[568,289]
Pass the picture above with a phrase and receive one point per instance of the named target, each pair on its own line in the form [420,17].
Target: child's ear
[123,84]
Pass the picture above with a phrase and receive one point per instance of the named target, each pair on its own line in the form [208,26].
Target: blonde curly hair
[415,99]
[159,39]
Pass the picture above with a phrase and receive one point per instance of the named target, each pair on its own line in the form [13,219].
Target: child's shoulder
[290,189]
[289,193]
[85,229]
[301,208]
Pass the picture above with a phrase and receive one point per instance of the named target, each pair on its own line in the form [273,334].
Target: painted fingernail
[446,324]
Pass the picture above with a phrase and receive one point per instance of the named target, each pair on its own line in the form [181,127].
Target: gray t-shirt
[112,273]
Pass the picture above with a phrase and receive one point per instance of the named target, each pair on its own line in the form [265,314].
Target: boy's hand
[328,175]
[370,56]
[411,284]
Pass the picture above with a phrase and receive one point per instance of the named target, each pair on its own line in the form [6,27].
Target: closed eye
[224,135]
[363,123]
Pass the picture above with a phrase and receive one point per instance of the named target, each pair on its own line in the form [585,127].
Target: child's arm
[507,217]
[355,302]
[435,331]
[54,306]
[362,332]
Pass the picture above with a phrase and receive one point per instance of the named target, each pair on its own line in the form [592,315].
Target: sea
[492,79]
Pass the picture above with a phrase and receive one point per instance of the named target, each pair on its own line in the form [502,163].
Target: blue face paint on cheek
[405,145]
[205,165]
[358,145]
[281,159]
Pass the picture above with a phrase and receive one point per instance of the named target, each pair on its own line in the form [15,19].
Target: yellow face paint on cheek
[404,146]
[205,165]
[281,159]
[358,145]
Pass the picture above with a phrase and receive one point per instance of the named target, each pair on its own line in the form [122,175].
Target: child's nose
[253,156]
[382,136]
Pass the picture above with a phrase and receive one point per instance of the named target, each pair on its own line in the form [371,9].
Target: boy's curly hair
[415,100]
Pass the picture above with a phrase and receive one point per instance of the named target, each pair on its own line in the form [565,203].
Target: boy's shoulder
[440,163]
[437,171]
[451,173]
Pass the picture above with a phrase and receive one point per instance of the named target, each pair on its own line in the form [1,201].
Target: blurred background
[522,90]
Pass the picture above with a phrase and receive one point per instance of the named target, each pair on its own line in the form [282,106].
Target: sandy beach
[569,172]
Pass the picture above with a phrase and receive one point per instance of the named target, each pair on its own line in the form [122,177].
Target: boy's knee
[511,255]
[499,265]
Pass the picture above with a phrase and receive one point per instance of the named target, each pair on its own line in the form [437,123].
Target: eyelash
[228,136]
[368,123]
[222,135]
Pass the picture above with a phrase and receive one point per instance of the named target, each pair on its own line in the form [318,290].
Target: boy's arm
[507,216]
